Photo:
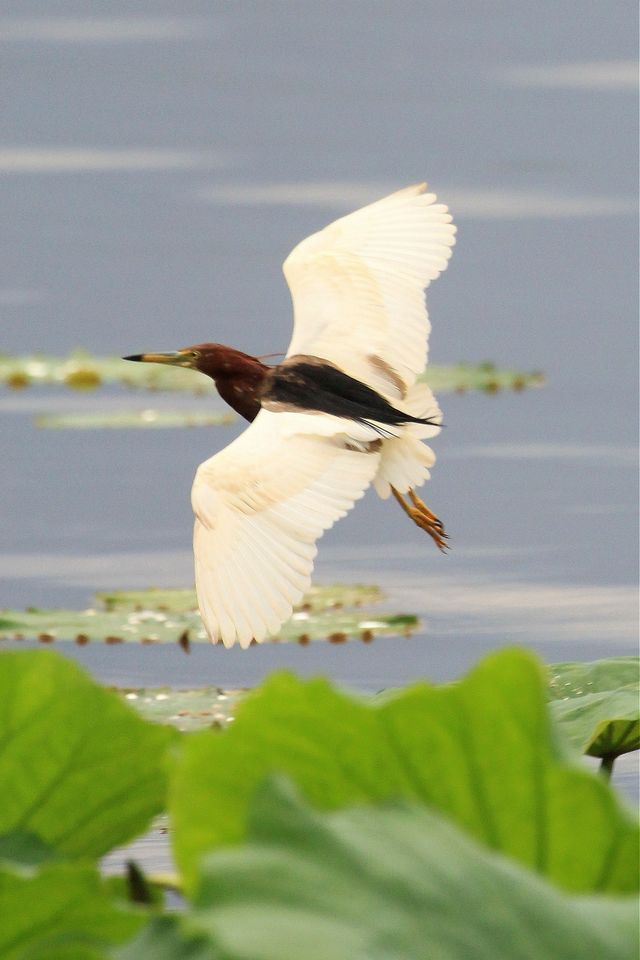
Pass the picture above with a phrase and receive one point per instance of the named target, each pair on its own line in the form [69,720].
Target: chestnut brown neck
[237,376]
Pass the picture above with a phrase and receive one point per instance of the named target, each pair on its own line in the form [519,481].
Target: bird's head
[213,359]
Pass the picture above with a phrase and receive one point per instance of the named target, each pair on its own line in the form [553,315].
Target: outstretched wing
[260,505]
[358,288]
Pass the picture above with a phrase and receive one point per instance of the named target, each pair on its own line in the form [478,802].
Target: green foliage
[597,676]
[19,848]
[79,769]
[164,939]
[598,705]
[398,882]
[331,613]
[447,822]
[81,371]
[64,911]
[482,751]
[591,721]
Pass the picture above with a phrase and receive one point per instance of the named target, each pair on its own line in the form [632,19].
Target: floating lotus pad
[588,721]
[82,371]
[598,705]
[141,419]
[327,597]
[333,613]
[187,710]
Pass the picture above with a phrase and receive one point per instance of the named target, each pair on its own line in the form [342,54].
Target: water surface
[154,172]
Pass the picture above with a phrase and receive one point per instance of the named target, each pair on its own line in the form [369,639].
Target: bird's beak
[179,358]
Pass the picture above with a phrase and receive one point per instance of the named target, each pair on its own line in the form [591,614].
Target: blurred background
[158,160]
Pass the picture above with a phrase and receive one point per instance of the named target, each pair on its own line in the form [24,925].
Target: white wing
[358,288]
[260,505]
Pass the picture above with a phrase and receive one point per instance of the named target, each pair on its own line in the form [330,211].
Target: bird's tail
[405,460]
[426,416]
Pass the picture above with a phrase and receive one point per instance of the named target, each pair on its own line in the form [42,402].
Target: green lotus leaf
[397,882]
[61,912]
[482,751]
[597,705]
[164,939]
[595,676]
[79,769]
[22,849]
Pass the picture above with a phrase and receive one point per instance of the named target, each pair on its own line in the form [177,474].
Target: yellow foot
[423,518]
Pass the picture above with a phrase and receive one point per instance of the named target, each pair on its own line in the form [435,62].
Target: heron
[342,411]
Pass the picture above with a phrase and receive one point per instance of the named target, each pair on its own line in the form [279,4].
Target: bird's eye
[190,356]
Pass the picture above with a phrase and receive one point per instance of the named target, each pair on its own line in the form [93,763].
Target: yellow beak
[177,359]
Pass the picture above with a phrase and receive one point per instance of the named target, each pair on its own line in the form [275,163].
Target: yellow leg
[423,517]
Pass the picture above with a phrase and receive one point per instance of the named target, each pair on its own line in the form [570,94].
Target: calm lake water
[154,172]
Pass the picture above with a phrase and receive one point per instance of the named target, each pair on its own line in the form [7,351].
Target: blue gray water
[154,172]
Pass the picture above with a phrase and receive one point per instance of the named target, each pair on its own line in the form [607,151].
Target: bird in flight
[343,410]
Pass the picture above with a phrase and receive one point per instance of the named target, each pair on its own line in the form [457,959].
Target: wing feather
[260,505]
[358,288]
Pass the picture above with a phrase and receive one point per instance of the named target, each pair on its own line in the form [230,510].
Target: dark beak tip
[134,356]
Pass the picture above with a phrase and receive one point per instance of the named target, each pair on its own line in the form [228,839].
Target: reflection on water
[94,30]
[618,455]
[496,204]
[596,75]
[542,612]
[65,160]
[151,852]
